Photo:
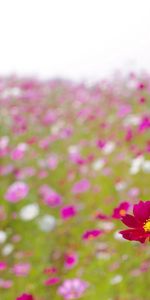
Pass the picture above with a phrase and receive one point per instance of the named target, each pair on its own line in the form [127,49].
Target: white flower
[136,165]
[116,279]
[3,237]
[8,248]
[47,223]
[132,120]
[29,212]
[98,164]
[107,225]
[120,186]
[146,166]
[109,148]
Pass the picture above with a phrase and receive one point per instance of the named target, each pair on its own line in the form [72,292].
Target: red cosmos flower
[139,223]
[25,297]
[121,210]
[92,234]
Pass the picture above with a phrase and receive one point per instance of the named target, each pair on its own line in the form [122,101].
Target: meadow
[74,159]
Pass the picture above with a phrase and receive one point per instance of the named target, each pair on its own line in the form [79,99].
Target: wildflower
[25,297]
[139,223]
[50,197]
[92,234]
[72,288]
[21,269]
[121,210]
[17,191]
[68,212]
[52,281]
[70,260]
[81,186]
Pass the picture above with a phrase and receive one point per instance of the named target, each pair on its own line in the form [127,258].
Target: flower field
[75,189]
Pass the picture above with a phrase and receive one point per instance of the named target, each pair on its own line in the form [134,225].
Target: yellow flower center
[147,226]
[122,212]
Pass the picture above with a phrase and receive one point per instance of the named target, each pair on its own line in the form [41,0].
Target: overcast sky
[78,39]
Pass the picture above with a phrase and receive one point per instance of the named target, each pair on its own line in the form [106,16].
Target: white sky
[78,39]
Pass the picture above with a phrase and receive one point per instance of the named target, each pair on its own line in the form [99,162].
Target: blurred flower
[50,197]
[116,279]
[19,152]
[47,223]
[29,212]
[70,260]
[92,234]
[25,297]
[72,288]
[52,281]
[17,191]
[121,210]
[3,236]
[21,269]
[81,186]
[68,212]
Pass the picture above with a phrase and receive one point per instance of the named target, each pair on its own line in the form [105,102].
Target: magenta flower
[19,152]
[3,266]
[21,269]
[72,288]
[17,191]
[144,124]
[138,223]
[52,281]
[25,297]
[92,234]
[50,197]
[81,186]
[6,284]
[121,210]
[70,260]
[68,212]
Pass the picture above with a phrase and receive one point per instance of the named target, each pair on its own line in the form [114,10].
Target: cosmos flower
[25,297]
[121,210]
[19,152]
[72,288]
[17,191]
[92,234]
[21,269]
[81,186]
[49,196]
[51,281]
[70,260]
[68,212]
[139,223]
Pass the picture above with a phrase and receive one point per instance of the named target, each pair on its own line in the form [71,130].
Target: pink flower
[50,197]
[3,266]
[121,210]
[17,191]
[68,212]
[81,186]
[52,161]
[25,297]
[144,124]
[52,281]
[72,288]
[6,284]
[92,234]
[19,152]
[4,141]
[21,269]
[70,260]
